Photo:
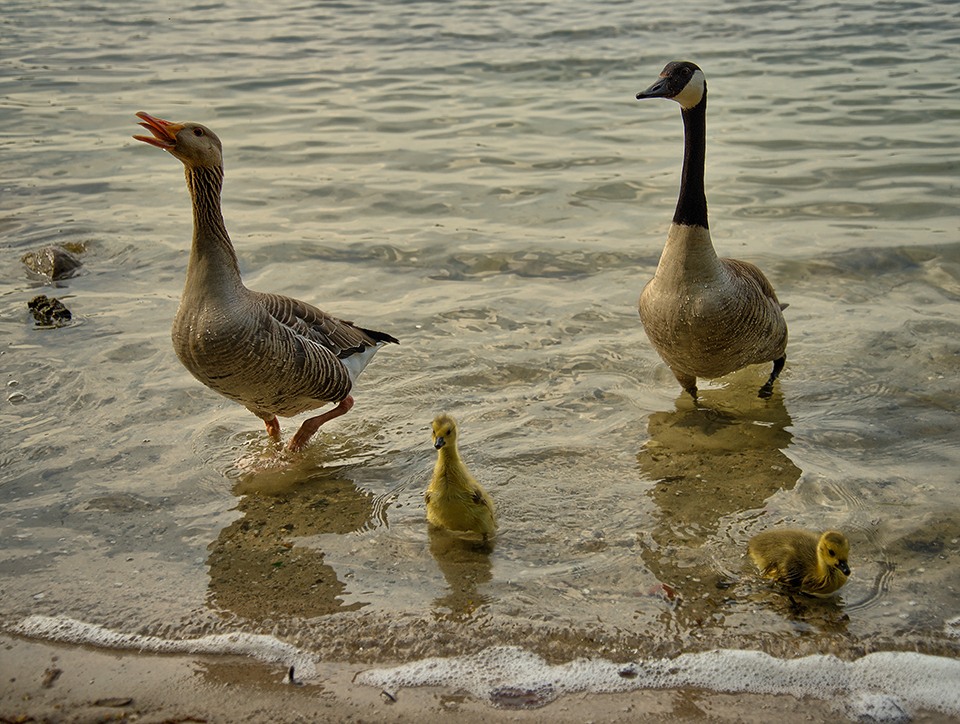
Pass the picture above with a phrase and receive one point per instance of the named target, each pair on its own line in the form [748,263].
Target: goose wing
[344,339]
[747,270]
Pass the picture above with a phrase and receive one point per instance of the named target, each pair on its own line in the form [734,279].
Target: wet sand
[45,682]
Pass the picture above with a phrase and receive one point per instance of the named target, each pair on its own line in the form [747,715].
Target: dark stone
[49,312]
[53,262]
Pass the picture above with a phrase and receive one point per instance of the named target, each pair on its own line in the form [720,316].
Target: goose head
[833,551]
[195,145]
[682,81]
[444,431]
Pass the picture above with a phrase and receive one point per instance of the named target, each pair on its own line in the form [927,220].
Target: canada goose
[705,316]
[454,499]
[272,354]
[802,560]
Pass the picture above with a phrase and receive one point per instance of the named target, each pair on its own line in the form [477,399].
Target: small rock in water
[49,312]
[53,262]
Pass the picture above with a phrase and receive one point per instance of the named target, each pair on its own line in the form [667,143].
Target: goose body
[455,500]
[274,355]
[706,316]
[802,560]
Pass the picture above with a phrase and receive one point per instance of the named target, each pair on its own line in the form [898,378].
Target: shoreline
[79,684]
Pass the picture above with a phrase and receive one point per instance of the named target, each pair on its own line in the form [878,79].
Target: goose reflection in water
[464,561]
[258,569]
[706,464]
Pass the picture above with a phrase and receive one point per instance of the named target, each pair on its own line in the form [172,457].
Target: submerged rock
[49,312]
[53,262]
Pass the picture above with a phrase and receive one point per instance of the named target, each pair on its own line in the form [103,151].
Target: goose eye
[197,131]
[831,552]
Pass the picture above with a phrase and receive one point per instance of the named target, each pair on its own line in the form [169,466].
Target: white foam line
[264,648]
[877,687]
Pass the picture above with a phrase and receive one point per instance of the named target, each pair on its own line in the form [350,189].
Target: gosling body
[275,355]
[801,560]
[454,499]
[706,316]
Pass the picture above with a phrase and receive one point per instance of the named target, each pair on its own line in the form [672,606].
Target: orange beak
[164,132]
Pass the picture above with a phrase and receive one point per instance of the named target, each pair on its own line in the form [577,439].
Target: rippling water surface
[478,180]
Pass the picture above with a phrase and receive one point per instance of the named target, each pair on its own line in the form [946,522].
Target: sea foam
[258,646]
[885,687]
[879,687]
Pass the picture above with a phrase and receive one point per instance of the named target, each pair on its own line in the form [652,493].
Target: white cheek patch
[692,92]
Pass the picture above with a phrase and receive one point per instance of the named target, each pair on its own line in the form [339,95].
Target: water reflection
[256,570]
[805,613]
[708,461]
[465,564]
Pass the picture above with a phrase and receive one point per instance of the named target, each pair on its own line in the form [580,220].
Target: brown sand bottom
[44,682]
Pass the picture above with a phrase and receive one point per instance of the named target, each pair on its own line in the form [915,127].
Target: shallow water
[479,181]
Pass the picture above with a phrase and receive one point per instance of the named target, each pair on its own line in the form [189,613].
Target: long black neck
[692,205]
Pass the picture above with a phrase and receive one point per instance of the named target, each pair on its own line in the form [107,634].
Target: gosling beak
[164,132]
[844,568]
[660,89]
[439,442]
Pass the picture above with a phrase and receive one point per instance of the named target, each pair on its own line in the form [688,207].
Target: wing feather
[341,337]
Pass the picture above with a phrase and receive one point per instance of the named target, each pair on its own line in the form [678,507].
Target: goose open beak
[660,89]
[164,132]
[439,443]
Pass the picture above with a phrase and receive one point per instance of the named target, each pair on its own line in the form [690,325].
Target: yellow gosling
[454,499]
[800,560]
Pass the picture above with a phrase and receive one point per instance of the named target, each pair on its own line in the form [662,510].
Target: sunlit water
[478,180]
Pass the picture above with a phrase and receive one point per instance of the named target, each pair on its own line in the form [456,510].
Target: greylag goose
[705,316]
[274,355]
[455,500]
[801,560]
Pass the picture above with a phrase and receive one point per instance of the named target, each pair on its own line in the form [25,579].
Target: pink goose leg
[311,425]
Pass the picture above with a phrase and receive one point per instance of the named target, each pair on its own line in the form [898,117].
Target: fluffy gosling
[454,499]
[800,560]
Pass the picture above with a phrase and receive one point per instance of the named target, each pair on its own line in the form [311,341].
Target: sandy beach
[81,685]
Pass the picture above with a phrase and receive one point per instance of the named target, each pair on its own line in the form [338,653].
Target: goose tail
[356,359]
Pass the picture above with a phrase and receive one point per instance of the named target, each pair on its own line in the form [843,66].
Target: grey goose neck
[210,235]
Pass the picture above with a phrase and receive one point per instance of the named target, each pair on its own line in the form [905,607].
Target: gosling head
[444,431]
[193,144]
[682,81]
[833,551]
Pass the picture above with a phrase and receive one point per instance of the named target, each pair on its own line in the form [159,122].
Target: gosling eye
[197,131]
[831,552]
